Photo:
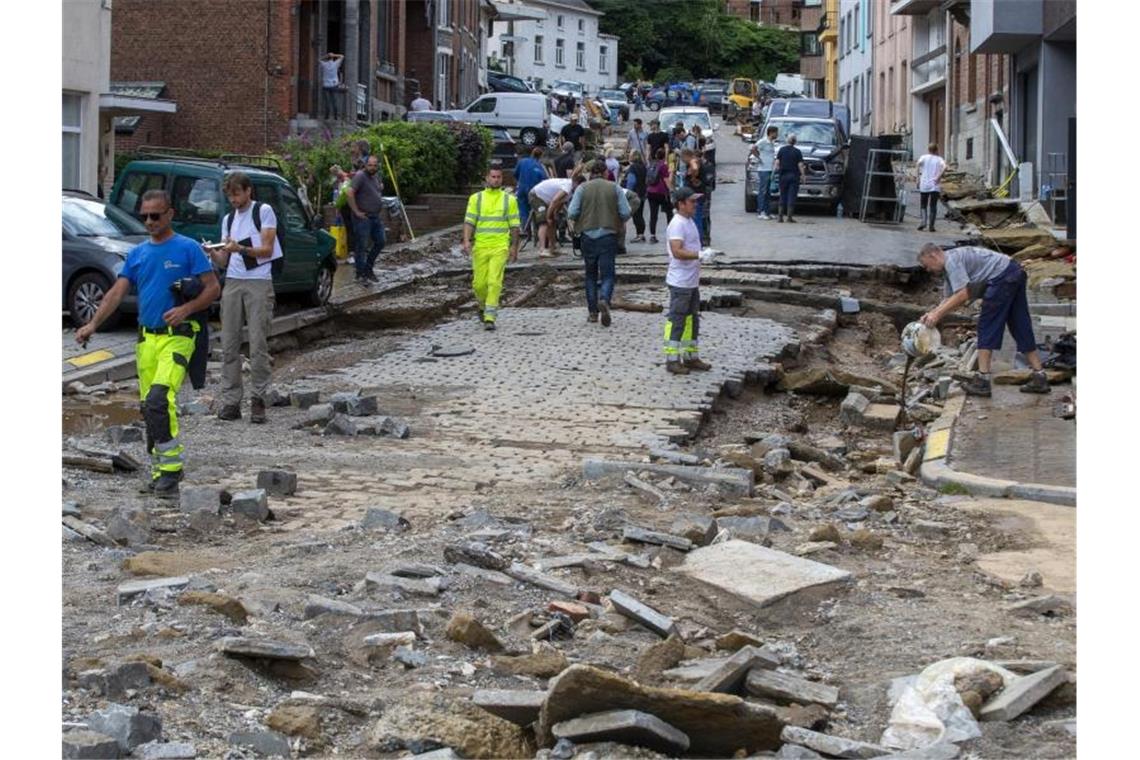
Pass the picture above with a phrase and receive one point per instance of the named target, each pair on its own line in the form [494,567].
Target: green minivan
[195,188]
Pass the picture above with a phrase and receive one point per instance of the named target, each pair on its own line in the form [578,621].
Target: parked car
[525,114]
[713,98]
[429,116]
[504,148]
[815,107]
[687,115]
[96,240]
[195,187]
[825,159]
[615,99]
[499,82]
[565,88]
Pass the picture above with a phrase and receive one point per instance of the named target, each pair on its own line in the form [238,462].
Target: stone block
[340,424]
[253,504]
[393,428]
[277,482]
[526,574]
[120,434]
[750,528]
[398,620]
[401,638]
[544,662]
[464,628]
[319,414]
[235,646]
[519,706]
[731,673]
[377,518]
[475,553]
[1023,694]
[126,725]
[1050,605]
[662,625]
[129,590]
[778,462]
[641,535]
[628,727]
[354,405]
[573,610]
[784,688]
[166,751]
[129,526]
[303,398]
[92,745]
[737,639]
[836,746]
[414,586]
[697,529]
[264,743]
[200,499]
[756,573]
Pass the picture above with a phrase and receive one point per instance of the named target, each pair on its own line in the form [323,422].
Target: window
[856,20]
[842,36]
[581,26]
[561,25]
[580,57]
[538,49]
[72,139]
[485,105]
[972,79]
[135,184]
[809,44]
[754,11]
[603,63]
[812,3]
[869,24]
[508,50]
[290,211]
[195,200]
[560,53]
[444,14]
[868,81]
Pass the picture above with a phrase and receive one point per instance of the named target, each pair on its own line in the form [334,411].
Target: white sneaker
[765,216]
[545,253]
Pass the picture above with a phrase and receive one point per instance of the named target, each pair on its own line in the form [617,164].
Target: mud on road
[917,596]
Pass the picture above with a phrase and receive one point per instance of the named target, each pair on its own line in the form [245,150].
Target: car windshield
[84,217]
[814,132]
[562,84]
[699,118]
[611,94]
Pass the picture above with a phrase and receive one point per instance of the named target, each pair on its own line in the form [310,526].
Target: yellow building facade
[829,41]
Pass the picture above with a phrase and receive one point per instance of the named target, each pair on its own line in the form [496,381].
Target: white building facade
[560,41]
[856,65]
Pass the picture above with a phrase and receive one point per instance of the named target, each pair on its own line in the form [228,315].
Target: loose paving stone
[737,639]
[354,405]
[1023,694]
[265,648]
[464,628]
[756,573]
[522,572]
[394,428]
[340,424]
[319,605]
[263,743]
[519,706]
[835,746]
[717,724]
[399,620]
[700,530]
[277,482]
[129,590]
[83,743]
[377,518]
[303,399]
[784,688]
[129,526]
[319,414]
[253,504]
[165,751]
[200,499]
[778,462]
[641,535]
[126,725]
[663,625]
[419,722]
[732,671]
[114,682]
[630,727]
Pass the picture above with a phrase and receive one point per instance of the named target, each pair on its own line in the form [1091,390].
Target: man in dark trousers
[789,170]
[971,272]
[365,197]
[166,330]
[574,133]
[564,164]
[599,209]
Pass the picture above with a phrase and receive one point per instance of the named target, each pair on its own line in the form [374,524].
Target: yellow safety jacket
[492,213]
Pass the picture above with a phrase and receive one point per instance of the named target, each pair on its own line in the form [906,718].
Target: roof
[575,5]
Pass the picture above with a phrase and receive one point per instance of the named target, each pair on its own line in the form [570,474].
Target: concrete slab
[1046,537]
[756,573]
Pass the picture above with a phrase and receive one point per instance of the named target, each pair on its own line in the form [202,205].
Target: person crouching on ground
[970,272]
[682,326]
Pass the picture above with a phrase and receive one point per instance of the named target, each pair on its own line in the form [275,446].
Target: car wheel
[85,295]
[654,106]
[750,202]
[529,137]
[322,288]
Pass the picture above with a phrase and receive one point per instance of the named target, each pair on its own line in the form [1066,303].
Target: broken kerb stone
[83,743]
[732,671]
[157,750]
[303,399]
[519,706]
[318,605]
[835,746]
[126,725]
[1023,694]
[527,574]
[482,573]
[736,480]
[353,404]
[129,590]
[200,499]
[629,727]
[236,646]
[643,536]
[266,743]
[663,625]
[377,518]
[253,504]
[277,482]
[340,424]
[784,688]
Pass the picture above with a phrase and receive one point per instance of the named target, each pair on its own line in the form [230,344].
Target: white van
[526,115]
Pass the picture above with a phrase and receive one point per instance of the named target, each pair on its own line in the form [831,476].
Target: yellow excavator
[742,91]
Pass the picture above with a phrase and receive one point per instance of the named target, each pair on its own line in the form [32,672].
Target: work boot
[780,218]
[605,310]
[791,219]
[653,239]
[978,386]
[696,365]
[1038,383]
[593,317]
[230,412]
[166,485]
[488,326]
[147,486]
[676,368]
[371,277]
[256,411]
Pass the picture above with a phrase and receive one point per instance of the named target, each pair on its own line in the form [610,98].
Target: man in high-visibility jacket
[493,218]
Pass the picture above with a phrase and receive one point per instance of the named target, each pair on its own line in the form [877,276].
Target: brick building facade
[765,12]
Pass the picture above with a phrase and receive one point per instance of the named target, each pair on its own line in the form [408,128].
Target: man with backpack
[250,231]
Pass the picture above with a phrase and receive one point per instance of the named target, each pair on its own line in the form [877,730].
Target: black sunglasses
[153,216]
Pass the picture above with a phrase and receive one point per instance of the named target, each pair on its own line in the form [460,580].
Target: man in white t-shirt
[682,326]
[547,198]
[421,103]
[249,257]
[330,83]
[930,167]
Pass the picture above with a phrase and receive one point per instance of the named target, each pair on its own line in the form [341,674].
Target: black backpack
[250,262]
[652,174]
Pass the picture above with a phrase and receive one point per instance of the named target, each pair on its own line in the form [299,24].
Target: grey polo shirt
[972,266]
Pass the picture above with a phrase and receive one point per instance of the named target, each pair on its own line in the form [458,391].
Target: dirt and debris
[528,615]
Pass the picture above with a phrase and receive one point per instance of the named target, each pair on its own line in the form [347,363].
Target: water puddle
[90,416]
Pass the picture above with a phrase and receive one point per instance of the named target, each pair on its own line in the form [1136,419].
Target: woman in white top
[930,167]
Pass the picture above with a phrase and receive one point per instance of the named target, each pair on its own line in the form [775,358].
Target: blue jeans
[765,179]
[370,226]
[1005,305]
[699,217]
[599,255]
[789,189]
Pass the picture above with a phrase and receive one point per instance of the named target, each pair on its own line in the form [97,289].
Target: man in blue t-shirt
[164,270]
[528,173]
